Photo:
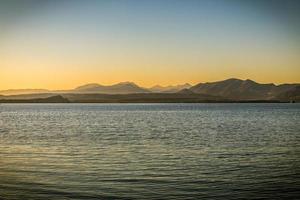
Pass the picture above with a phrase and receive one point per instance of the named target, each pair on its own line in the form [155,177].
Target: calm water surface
[149,151]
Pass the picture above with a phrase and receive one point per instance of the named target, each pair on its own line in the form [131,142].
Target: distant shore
[129,98]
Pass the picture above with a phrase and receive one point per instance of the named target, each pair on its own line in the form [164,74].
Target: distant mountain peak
[185,85]
[157,86]
[169,88]
[119,88]
[233,79]
[127,83]
[88,86]
[238,89]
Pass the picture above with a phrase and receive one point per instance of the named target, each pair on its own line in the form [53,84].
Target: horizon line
[154,85]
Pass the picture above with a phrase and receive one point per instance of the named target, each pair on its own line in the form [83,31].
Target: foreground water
[149,151]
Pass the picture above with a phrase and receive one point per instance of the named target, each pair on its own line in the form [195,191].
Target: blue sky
[143,41]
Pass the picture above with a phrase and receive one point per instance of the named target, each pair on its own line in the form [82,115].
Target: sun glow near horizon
[63,45]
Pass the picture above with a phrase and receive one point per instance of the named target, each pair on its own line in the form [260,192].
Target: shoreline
[131,98]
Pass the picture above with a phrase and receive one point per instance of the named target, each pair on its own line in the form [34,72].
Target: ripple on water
[149,151]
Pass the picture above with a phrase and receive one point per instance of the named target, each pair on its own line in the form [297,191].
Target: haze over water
[149,151]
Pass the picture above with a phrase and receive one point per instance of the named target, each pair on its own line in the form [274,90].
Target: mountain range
[231,89]
[248,90]
[119,88]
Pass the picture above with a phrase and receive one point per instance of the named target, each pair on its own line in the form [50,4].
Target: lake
[149,151]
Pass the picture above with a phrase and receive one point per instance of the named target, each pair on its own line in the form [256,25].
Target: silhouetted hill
[29,96]
[290,95]
[52,99]
[170,88]
[237,89]
[120,88]
[90,86]
[186,91]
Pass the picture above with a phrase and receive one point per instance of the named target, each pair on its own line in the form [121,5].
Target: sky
[61,44]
